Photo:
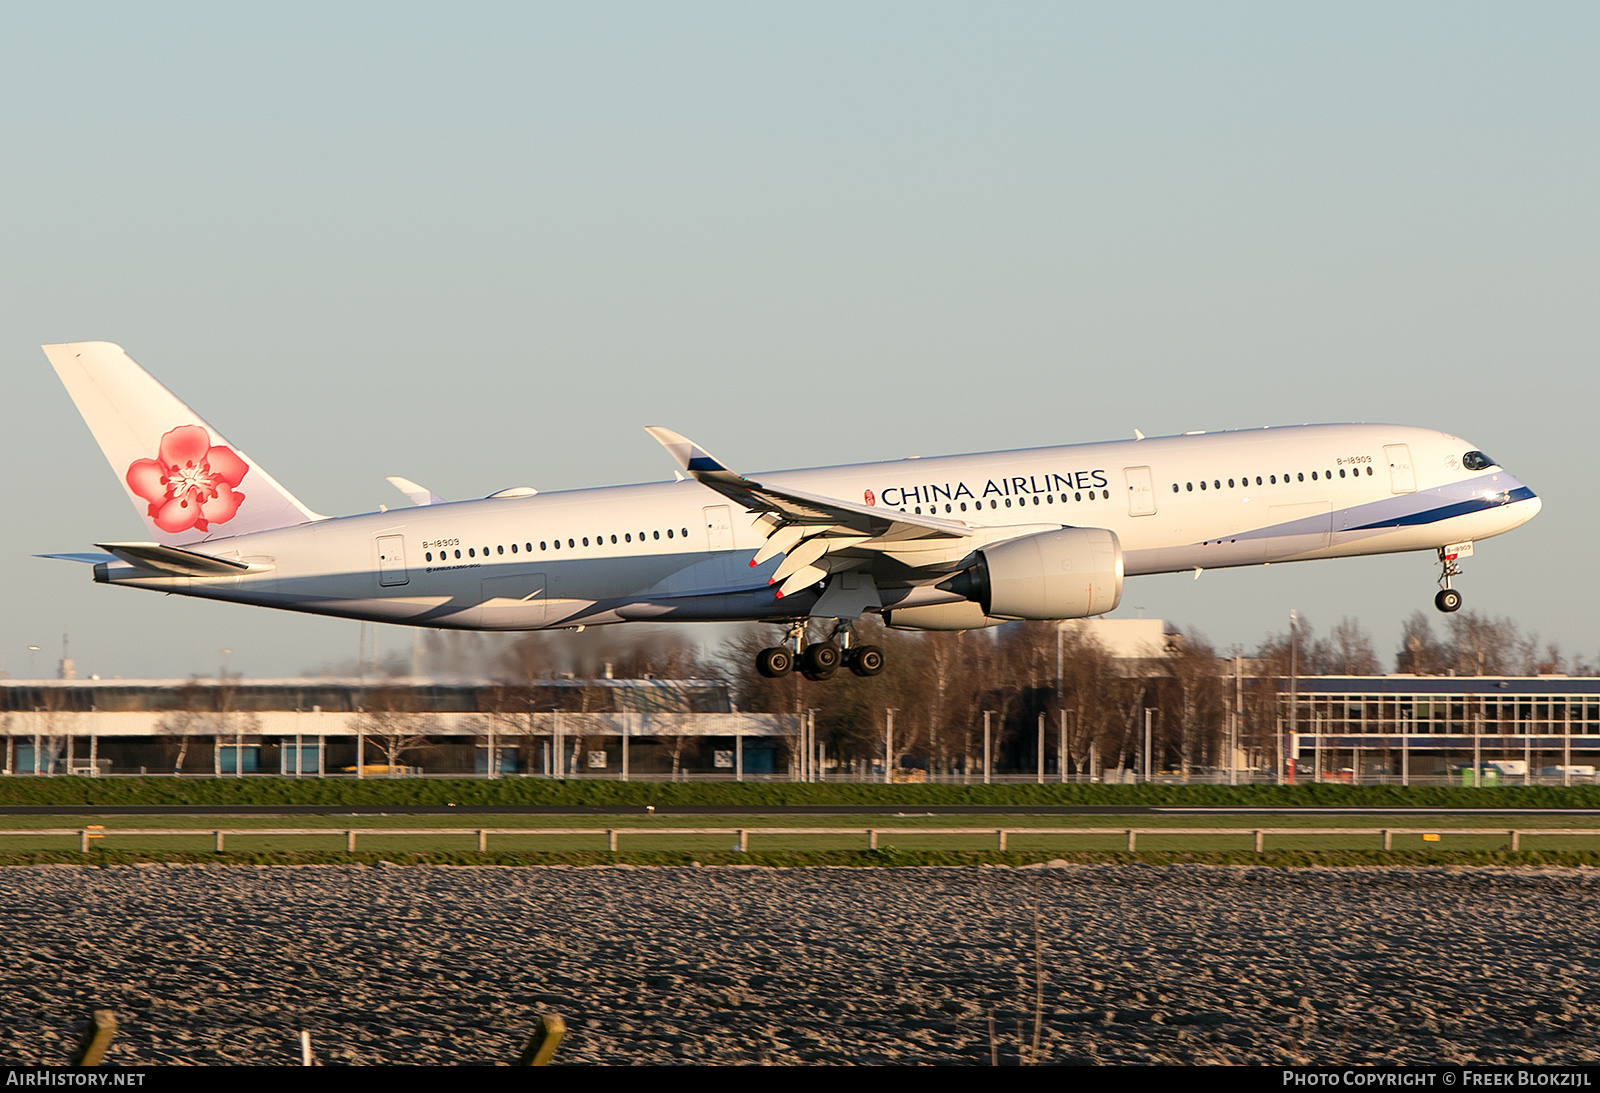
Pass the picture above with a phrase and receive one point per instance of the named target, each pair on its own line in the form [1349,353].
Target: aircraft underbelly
[598,591]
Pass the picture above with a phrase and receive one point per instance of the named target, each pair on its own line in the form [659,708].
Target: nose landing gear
[1449,599]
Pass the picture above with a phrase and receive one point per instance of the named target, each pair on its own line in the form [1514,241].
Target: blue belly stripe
[1446,512]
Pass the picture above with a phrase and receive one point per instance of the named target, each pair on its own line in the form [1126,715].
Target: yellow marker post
[544,1041]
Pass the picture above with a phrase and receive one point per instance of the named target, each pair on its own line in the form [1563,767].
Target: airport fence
[547,839]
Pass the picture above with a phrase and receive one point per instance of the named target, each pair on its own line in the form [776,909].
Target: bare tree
[1192,703]
[1347,651]
[185,722]
[56,717]
[1420,652]
[392,718]
[643,652]
[1130,712]
[230,719]
[1088,698]
[506,713]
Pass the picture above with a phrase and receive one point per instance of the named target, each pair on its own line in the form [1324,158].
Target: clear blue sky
[480,245]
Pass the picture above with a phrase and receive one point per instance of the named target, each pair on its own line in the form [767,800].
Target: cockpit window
[1476,461]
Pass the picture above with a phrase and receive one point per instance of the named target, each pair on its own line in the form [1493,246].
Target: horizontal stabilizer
[174,561]
[87,559]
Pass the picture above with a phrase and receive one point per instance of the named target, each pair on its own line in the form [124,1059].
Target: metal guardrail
[613,835]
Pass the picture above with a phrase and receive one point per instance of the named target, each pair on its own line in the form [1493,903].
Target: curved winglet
[690,456]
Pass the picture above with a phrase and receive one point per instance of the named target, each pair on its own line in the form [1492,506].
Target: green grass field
[903,839]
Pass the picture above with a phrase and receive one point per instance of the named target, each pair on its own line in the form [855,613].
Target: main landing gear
[1448,599]
[821,659]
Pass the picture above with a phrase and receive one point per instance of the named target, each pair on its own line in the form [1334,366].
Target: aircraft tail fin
[187,482]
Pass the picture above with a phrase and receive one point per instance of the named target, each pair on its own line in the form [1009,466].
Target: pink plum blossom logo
[869,497]
[190,483]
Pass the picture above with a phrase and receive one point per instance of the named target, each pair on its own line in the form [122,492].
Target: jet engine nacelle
[1068,574]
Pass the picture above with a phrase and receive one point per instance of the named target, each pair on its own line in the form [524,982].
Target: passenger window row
[1022,502]
[572,544]
[1271,479]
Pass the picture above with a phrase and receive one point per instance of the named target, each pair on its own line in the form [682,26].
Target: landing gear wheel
[775,663]
[865,660]
[821,660]
[1447,600]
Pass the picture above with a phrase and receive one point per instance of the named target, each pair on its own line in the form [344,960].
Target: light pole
[1061,713]
[888,746]
[987,756]
[808,760]
[1238,715]
[1149,762]
[1294,688]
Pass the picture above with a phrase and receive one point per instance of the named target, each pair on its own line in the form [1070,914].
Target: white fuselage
[679,551]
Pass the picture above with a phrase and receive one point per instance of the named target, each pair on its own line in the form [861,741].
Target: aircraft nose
[1526,503]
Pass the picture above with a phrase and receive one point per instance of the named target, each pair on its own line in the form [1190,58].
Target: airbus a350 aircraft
[948,543]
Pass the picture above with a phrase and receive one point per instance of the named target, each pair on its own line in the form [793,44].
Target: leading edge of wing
[796,506]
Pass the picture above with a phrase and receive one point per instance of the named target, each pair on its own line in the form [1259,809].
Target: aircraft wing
[793,506]
[805,527]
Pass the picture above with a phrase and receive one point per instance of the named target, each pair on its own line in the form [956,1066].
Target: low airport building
[318,727]
[1396,729]
[1509,729]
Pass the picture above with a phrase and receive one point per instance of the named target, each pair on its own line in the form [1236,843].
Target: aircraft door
[1141,491]
[1401,477]
[719,527]
[392,560]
